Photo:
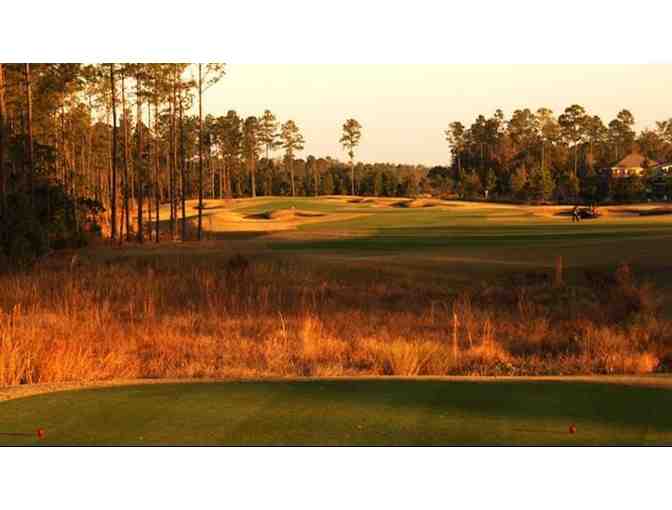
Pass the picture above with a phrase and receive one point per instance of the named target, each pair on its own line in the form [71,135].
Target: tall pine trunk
[64,162]
[253,171]
[175,153]
[150,168]
[200,152]
[157,166]
[140,180]
[127,212]
[291,173]
[29,131]
[183,171]
[113,184]
[172,163]
[3,134]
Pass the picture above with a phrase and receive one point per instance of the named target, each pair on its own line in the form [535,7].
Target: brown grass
[176,317]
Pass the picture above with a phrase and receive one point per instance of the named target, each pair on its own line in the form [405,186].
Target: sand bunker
[284,215]
[416,203]
[362,201]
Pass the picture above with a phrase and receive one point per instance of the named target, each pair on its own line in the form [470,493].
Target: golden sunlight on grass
[161,318]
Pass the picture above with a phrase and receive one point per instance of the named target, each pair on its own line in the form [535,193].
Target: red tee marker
[40,433]
[572,429]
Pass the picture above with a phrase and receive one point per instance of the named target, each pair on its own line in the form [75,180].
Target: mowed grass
[453,245]
[453,237]
[466,241]
[480,228]
[345,412]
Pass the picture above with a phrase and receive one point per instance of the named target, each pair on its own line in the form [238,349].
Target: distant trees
[537,156]
[519,183]
[548,131]
[621,133]
[455,136]
[292,142]
[251,147]
[573,128]
[268,132]
[352,134]
[541,185]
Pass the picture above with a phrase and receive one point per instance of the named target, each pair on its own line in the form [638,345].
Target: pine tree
[113,196]
[292,141]
[268,132]
[352,133]
[541,184]
[519,183]
[250,148]
[489,182]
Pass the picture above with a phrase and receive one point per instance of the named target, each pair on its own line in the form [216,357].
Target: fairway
[345,412]
[442,244]
[454,240]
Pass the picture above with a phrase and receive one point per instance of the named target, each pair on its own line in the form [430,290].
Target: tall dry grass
[179,317]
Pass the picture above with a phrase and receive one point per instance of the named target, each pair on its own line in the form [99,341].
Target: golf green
[345,412]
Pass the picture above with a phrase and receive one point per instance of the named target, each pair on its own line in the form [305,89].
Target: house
[631,165]
[661,170]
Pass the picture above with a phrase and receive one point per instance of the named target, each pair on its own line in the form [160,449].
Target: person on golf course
[576,217]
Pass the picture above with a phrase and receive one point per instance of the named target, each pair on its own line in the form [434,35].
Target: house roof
[635,160]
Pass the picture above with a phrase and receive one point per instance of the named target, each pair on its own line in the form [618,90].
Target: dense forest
[538,156]
[103,146]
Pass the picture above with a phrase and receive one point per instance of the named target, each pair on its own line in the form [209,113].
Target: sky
[404,109]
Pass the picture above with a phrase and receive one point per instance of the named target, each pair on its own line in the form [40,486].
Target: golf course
[452,240]
[294,313]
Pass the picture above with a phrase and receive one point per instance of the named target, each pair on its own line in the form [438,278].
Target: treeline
[538,156]
[115,137]
[120,139]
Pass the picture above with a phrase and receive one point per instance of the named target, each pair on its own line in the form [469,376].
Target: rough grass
[175,317]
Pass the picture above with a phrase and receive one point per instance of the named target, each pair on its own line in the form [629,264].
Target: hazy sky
[405,108]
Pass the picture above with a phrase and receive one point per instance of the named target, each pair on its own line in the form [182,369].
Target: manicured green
[347,412]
